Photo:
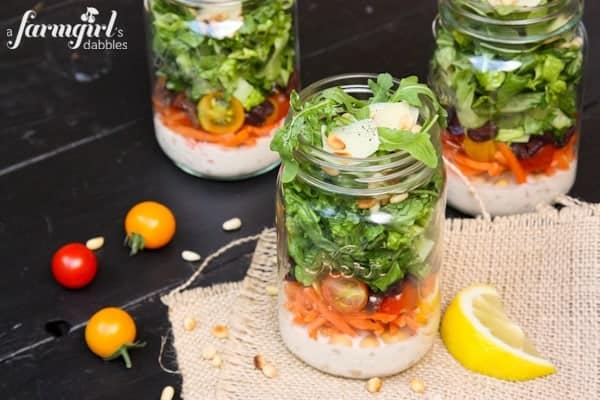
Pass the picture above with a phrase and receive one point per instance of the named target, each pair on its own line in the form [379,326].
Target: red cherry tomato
[403,302]
[540,160]
[345,294]
[74,265]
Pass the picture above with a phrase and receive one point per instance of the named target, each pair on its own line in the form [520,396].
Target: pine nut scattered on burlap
[546,266]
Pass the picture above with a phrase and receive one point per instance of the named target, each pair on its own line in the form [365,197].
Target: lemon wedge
[429,299]
[479,334]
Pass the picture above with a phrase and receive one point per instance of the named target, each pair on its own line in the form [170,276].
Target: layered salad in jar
[359,292]
[514,109]
[223,73]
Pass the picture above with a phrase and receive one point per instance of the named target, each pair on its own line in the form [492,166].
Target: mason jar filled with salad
[360,212]
[510,75]
[222,72]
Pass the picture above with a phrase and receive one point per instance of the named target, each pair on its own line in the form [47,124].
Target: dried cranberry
[529,149]
[182,102]
[454,126]
[290,277]
[395,289]
[258,114]
[375,300]
[485,133]
[564,139]
[161,94]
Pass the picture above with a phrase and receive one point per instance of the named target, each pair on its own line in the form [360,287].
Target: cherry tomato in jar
[281,105]
[406,301]
[74,266]
[540,161]
[346,295]
[149,225]
[219,116]
[110,333]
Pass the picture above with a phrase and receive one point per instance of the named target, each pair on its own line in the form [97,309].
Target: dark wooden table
[75,156]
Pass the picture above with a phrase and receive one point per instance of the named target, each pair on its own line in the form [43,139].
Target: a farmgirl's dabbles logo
[88,35]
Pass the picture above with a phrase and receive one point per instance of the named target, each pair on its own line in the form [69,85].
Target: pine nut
[259,362]
[271,290]
[397,337]
[341,339]
[220,331]
[167,393]
[190,256]
[189,324]
[342,153]
[95,243]
[417,385]
[335,142]
[331,171]
[369,342]
[269,371]
[209,352]
[397,198]
[232,224]
[366,203]
[216,361]
[374,385]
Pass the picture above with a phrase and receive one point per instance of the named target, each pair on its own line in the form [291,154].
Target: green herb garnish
[331,108]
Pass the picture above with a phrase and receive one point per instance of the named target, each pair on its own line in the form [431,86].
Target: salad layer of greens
[330,232]
[520,92]
[254,56]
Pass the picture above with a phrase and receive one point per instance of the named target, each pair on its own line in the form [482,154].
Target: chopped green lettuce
[328,231]
[255,59]
[536,90]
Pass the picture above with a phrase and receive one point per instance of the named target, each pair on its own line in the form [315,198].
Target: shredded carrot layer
[179,122]
[504,160]
[310,310]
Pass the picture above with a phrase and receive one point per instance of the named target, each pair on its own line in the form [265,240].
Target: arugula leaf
[417,145]
[328,109]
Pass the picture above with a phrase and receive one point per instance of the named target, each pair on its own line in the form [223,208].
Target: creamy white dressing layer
[215,161]
[509,197]
[356,362]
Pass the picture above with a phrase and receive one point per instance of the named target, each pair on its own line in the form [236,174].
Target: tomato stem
[135,242]
[124,353]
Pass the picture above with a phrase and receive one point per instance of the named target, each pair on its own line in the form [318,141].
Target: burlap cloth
[546,265]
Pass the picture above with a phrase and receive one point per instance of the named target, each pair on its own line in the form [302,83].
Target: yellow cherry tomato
[110,333]
[479,151]
[149,225]
[218,116]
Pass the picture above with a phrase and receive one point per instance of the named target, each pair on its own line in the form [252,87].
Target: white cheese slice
[218,20]
[216,12]
[394,115]
[359,139]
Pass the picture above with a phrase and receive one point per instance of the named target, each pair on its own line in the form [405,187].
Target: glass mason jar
[359,254]
[510,78]
[222,72]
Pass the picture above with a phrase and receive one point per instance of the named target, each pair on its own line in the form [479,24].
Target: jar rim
[365,171]
[200,3]
[316,87]
[452,10]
